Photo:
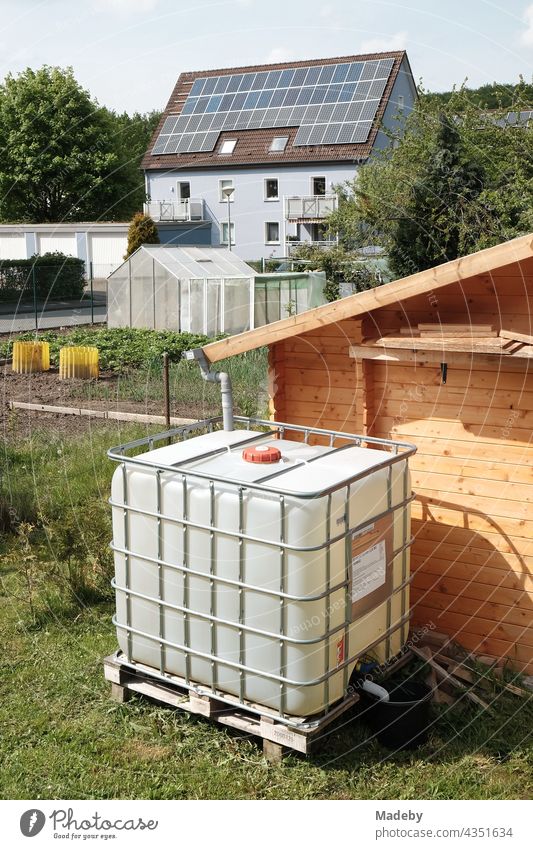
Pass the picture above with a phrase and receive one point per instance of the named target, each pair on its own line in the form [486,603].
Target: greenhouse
[204,290]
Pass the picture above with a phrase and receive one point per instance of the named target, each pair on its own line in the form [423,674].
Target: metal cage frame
[399,451]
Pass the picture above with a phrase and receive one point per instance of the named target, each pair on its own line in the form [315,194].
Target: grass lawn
[62,736]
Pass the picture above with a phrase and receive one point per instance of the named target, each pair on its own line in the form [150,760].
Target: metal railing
[191,209]
[310,207]
[322,243]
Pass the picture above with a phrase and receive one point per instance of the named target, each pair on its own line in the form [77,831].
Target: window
[318,185]
[318,232]
[272,233]
[227,147]
[223,184]
[278,144]
[271,189]
[224,233]
[401,101]
[184,191]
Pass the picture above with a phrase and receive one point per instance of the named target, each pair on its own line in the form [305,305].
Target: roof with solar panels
[319,110]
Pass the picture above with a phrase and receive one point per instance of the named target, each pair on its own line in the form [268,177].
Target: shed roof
[198,262]
[482,262]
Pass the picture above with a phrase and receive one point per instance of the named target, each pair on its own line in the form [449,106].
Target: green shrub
[53,274]
[142,231]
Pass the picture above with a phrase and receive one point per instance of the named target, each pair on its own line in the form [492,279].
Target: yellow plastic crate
[31,357]
[81,362]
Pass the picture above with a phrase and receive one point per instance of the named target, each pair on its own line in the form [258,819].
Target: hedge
[55,275]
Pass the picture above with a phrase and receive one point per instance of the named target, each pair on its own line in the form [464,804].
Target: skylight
[279,143]
[228,146]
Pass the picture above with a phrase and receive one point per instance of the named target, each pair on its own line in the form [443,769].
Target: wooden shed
[442,358]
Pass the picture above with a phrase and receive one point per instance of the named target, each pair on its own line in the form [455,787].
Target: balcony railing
[191,209]
[310,207]
[322,243]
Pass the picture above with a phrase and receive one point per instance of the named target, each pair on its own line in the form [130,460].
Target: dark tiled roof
[253,145]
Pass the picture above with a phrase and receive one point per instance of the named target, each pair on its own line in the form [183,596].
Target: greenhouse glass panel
[236,305]
[118,297]
[167,296]
[185,305]
[196,309]
[267,302]
[142,290]
[213,307]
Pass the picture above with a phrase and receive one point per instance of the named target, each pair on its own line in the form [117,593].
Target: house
[100,244]
[462,391]
[257,151]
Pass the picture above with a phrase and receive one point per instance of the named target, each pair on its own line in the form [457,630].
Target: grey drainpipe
[221,377]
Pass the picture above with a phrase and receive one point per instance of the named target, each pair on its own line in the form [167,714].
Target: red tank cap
[261,454]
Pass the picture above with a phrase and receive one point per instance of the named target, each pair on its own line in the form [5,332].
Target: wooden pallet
[127,678]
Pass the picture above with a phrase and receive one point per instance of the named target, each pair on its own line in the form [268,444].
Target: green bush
[54,274]
[142,231]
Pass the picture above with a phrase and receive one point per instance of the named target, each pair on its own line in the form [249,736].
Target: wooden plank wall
[473,473]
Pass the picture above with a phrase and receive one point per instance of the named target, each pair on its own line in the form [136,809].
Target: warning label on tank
[369,569]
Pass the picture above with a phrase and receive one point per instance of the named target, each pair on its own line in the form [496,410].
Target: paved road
[49,320]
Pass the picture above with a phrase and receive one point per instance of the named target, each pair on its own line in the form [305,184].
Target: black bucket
[402,722]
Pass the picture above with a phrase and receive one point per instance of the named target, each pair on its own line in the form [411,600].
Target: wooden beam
[446,677]
[112,415]
[462,358]
[517,337]
[481,345]
[367,397]
[442,327]
[424,282]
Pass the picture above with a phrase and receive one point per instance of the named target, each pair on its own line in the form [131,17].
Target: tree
[340,266]
[63,157]
[142,231]
[132,137]
[454,180]
[432,228]
[491,95]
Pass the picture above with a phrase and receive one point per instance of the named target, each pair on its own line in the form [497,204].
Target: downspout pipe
[221,377]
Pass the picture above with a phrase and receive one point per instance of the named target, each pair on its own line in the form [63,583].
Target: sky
[129,53]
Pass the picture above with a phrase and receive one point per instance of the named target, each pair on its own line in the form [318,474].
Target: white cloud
[130,6]
[382,43]
[527,35]
[279,54]
[326,11]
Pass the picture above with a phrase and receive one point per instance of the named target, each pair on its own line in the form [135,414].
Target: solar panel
[330,136]
[330,104]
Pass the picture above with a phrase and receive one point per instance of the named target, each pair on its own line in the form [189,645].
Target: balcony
[324,244]
[310,208]
[191,209]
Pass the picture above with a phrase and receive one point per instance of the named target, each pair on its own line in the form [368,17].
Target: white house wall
[401,102]
[249,210]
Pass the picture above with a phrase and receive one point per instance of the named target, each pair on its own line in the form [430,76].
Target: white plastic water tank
[262,581]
